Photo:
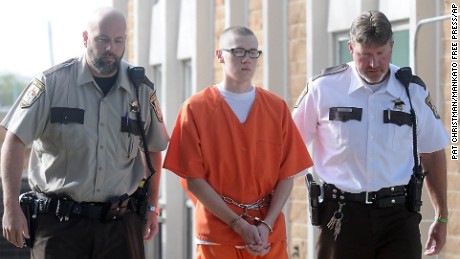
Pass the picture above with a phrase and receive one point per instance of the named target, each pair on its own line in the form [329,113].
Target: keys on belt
[385,197]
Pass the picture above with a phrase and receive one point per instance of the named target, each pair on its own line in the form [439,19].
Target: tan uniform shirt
[85,144]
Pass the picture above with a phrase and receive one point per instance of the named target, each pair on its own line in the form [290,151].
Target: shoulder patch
[432,107]
[156,106]
[331,70]
[34,90]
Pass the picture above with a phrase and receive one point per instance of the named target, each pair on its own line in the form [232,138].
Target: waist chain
[259,204]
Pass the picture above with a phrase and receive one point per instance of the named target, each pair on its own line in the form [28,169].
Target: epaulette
[59,66]
[324,72]
[417,80]
[330,71]
[149,83]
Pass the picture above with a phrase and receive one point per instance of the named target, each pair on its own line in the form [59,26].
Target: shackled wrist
[234,221]
[264,223]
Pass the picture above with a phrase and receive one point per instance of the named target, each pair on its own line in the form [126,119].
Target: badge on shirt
[156,106]
[134,107]
[34,90]
[432,107]
[399,104]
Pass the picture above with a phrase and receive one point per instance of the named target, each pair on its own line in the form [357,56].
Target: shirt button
[100,168]
[102,124]
[101,146]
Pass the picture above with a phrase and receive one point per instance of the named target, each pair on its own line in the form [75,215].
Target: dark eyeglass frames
[240,52]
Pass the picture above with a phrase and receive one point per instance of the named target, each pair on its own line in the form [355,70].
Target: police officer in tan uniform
[81,120]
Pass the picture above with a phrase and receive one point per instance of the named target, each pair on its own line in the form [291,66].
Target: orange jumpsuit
[242,161]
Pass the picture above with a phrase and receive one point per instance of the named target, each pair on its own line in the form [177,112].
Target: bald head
[230,34]
[106,16]
[105,39]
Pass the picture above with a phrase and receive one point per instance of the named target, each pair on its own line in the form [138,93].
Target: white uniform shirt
[85,144]
[366,154]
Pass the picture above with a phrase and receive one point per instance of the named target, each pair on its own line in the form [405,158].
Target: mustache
[109,54]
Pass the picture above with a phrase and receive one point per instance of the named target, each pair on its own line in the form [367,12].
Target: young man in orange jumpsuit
[239,150]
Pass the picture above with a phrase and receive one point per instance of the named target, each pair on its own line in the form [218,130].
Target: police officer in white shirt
[357,116]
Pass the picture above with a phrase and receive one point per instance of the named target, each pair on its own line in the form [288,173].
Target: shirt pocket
[72,136]
[68,124]
[128,146]
[339,132]
[398,131]
[341,120]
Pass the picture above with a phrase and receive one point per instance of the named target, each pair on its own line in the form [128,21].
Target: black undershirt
[106,83]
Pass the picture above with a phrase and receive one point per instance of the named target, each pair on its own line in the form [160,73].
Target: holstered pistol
[314,193]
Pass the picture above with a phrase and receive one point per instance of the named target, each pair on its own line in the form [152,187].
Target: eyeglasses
[240,52]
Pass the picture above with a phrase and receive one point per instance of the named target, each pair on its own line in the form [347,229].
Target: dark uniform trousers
[368,232]
[83,238]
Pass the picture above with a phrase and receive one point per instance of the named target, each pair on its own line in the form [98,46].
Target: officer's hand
[151,225]
[15,225]
[436,238]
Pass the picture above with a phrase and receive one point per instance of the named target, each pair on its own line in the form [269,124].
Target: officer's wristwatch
[154,209]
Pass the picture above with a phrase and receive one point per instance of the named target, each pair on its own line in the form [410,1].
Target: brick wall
[297,35]
[297,214]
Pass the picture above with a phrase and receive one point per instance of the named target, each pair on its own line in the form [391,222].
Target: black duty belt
[65,208]
[383,198]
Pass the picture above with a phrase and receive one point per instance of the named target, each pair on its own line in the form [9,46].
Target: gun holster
[314,194]
[116,208]
[414,191]
[29,203]
[139,199]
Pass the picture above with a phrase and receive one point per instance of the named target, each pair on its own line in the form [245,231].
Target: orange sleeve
[184,156]
[295,156]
